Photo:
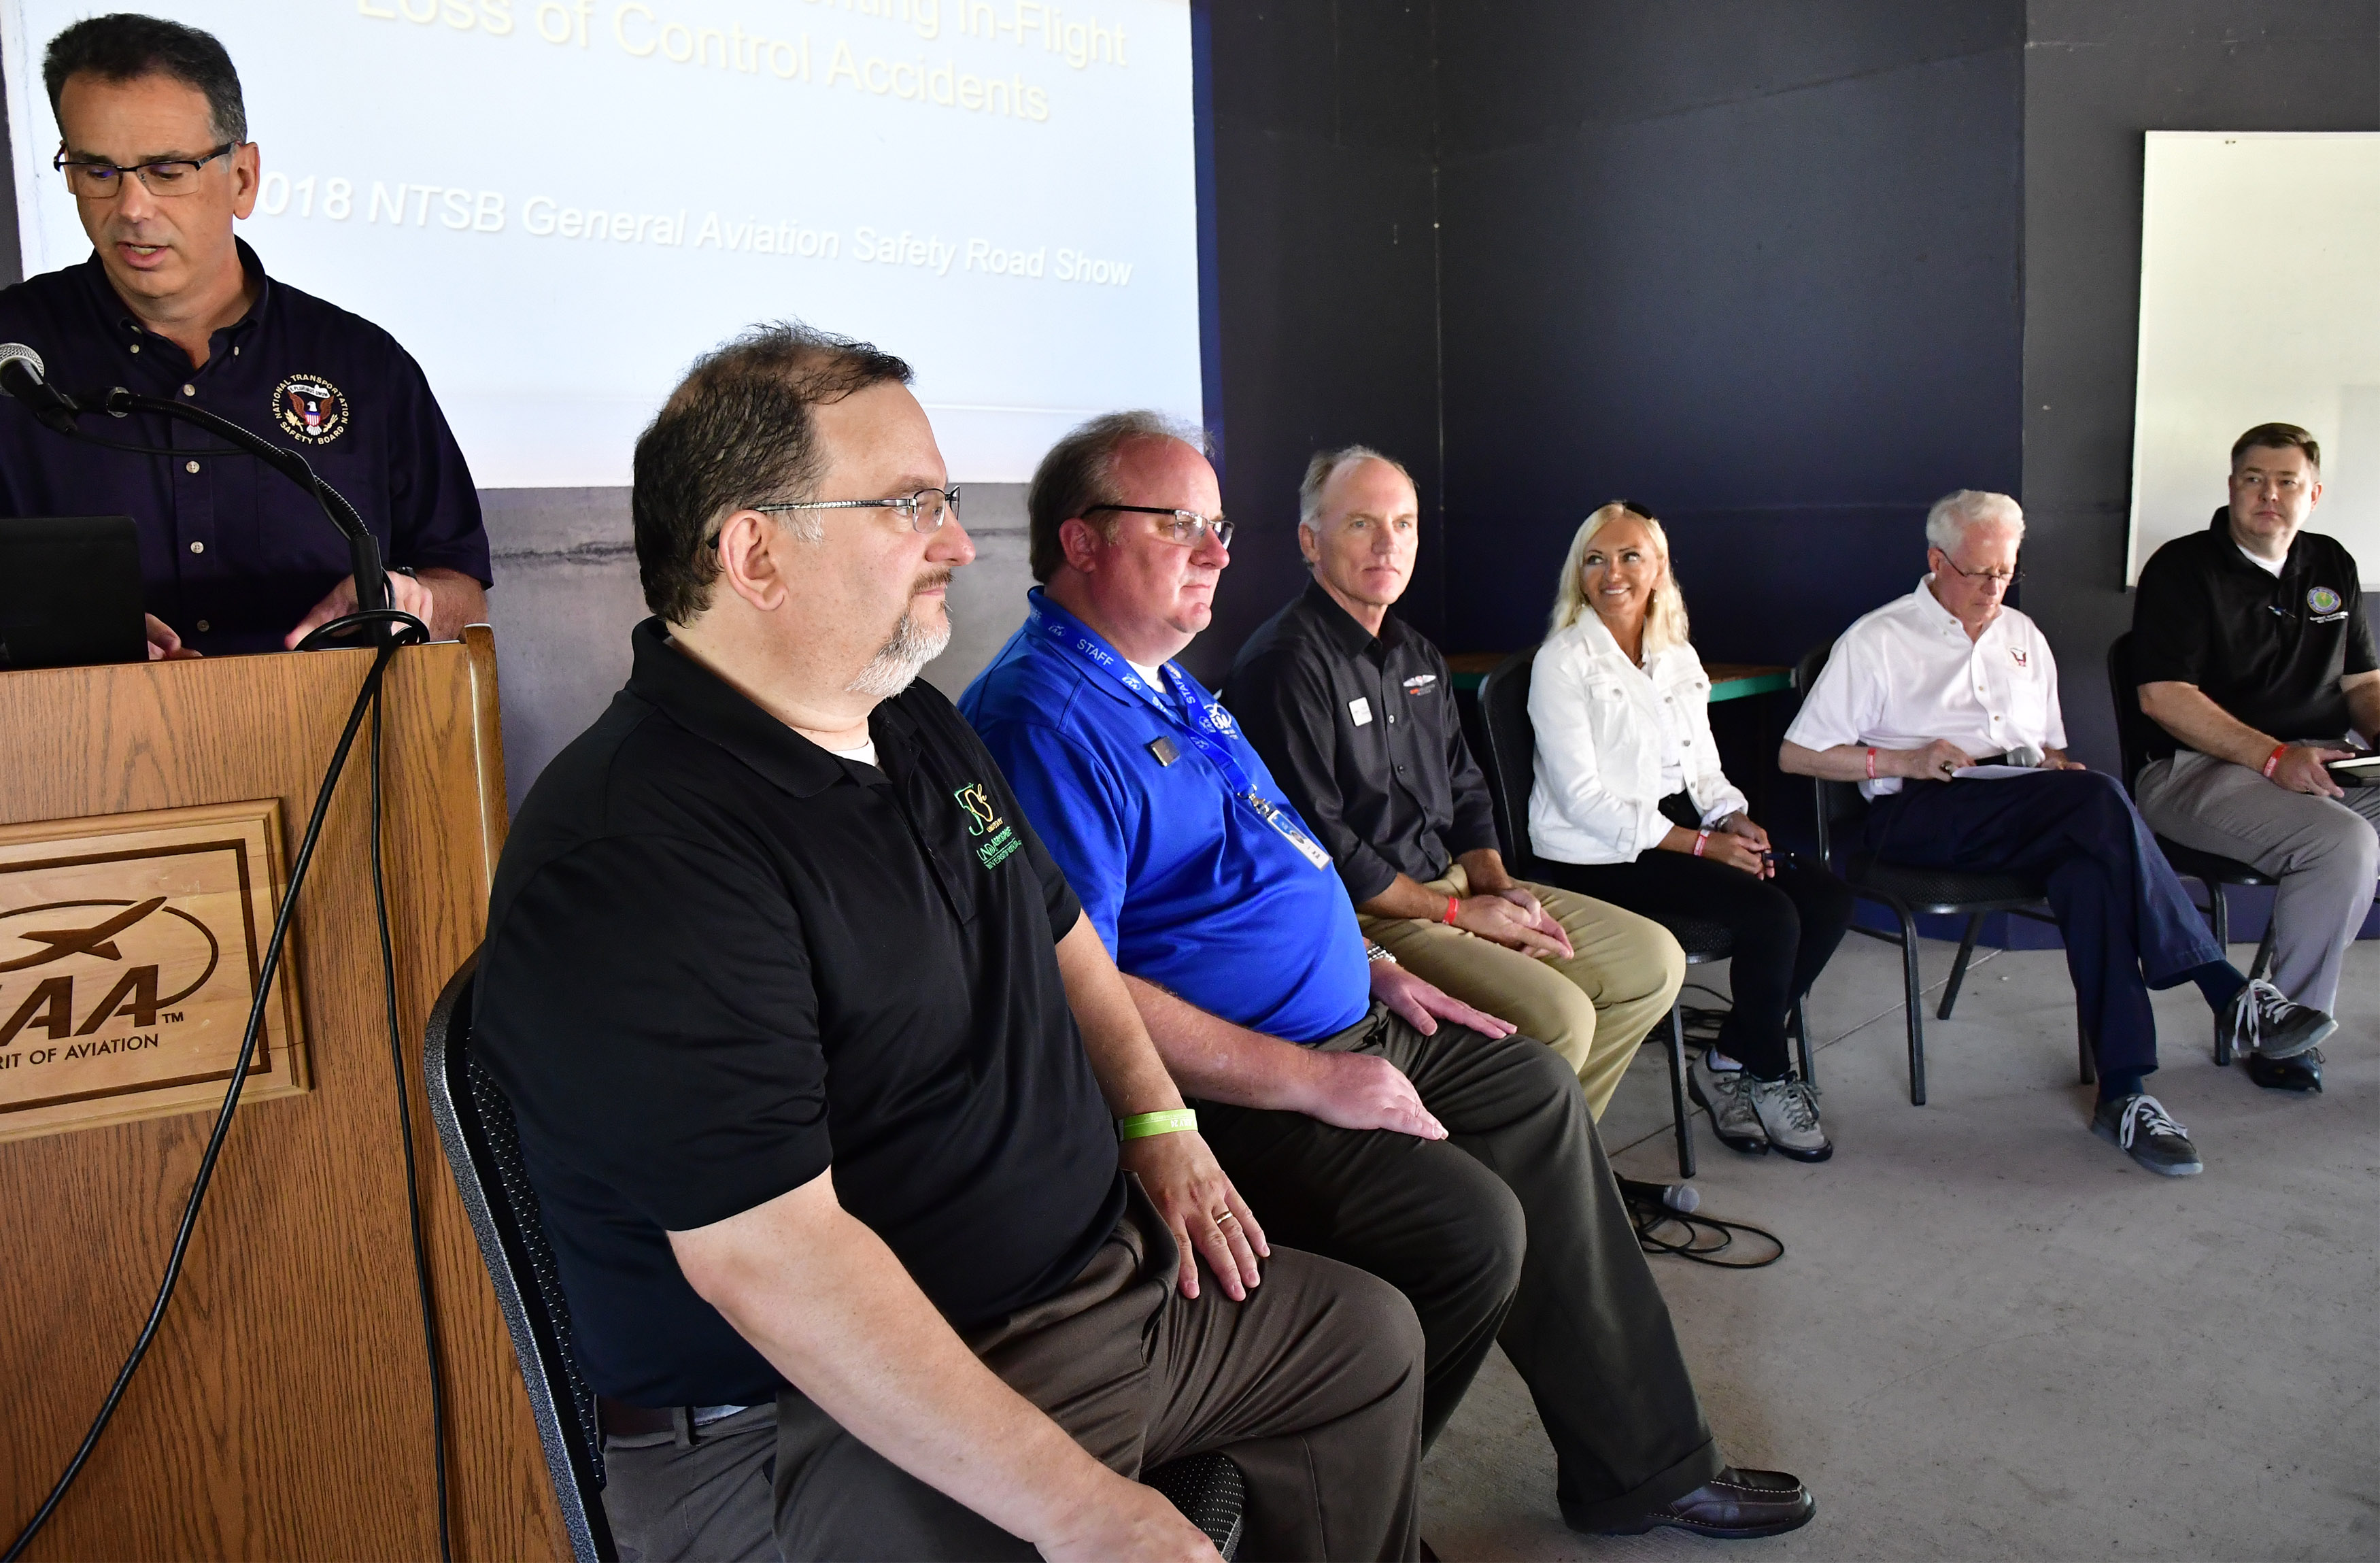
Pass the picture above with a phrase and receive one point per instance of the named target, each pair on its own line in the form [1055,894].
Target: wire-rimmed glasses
[925,511]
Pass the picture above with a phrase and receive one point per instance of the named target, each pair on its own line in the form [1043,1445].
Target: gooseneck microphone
[25,377]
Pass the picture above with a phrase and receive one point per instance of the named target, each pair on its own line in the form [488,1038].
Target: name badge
[1361,710]
[1288,832]
[1164,751]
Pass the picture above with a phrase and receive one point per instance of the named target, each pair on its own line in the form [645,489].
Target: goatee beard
[897,662]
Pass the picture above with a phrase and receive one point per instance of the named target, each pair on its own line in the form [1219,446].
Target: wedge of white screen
[2259,303]
[556,204]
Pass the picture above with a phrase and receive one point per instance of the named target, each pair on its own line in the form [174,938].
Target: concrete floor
[1992,1335]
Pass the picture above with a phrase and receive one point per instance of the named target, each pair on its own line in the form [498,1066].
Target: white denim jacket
[1596,795]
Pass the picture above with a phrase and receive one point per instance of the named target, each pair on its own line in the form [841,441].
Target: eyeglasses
[1185,526]
[2011,578]
[172,176]
[925,511]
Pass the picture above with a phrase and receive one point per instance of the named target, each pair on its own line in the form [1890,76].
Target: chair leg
[1916,1002]
[1678,1111]
[1959,967]
[1802,1035]
[2218,914]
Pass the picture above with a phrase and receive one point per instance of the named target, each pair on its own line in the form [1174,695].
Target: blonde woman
[1629,805]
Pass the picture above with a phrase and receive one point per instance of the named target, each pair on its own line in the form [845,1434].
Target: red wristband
[1453,905]
[1702,839]
[2272,761]
[1871,765]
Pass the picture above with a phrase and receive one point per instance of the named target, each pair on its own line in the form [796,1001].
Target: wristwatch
[1378,952]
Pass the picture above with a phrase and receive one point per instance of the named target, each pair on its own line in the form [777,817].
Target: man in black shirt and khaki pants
[2253,656]
[880,1218]
[1354,710]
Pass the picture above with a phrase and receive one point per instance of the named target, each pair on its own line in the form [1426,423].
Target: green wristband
[1142,1124]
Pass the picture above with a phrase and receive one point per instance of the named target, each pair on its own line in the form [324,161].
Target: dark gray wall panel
[1779,304]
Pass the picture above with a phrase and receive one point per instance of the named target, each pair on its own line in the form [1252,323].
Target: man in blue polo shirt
[1371,1117]
[153,144]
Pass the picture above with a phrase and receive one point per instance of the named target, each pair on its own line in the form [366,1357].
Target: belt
[620,1420]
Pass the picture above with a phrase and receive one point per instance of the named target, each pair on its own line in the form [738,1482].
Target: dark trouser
[2129,926]
[1312,1387]
[1785,930]
[1509,1231]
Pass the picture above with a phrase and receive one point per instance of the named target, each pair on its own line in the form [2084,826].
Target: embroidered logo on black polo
[983,820]
[1420,683]
[309,409]
[2322,599]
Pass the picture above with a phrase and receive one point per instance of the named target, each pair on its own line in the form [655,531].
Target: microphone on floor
[1683,1198]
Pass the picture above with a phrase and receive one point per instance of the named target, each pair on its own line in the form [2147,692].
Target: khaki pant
[1593,1008]
[1313,1386]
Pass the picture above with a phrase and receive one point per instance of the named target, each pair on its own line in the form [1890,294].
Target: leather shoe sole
[1734,1506]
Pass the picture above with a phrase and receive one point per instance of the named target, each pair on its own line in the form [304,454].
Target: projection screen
[556,204]
[2260,302]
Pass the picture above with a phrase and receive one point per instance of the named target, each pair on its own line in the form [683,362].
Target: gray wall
[566,596]
[2099,73]
[1750,263]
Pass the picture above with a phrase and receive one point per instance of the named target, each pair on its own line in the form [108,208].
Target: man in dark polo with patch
[2254,659]
[831,1092]
[153,144]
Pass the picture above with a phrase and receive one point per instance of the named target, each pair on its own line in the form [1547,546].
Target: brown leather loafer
[1734,1506]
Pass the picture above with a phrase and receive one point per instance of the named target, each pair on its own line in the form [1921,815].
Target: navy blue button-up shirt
[234,554]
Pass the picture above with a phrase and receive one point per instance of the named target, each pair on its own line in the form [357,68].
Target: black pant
[1511,1232]
[1785,930]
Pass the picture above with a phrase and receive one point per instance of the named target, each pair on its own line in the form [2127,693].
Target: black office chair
[1510,762]
[2134,730]
[475,1125]
[1909,893]
[483,1143]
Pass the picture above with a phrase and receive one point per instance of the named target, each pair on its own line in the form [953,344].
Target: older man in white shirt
[1934,683]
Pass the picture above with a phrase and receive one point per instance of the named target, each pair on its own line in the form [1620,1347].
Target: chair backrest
[482,1143]
[2135,728]
[1839,804]
[1510,761]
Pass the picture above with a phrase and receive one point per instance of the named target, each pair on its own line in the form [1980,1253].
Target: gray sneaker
[2264,1020]
[1789,1115]
[2139,1125]
[1720,1094]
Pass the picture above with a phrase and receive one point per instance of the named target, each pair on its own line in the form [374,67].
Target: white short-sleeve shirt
[1906,675]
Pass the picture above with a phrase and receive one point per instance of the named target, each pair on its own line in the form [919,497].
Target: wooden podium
[148,817]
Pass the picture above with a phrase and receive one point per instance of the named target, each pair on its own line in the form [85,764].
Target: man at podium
[153,144]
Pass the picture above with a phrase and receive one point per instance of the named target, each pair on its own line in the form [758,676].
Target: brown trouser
[1510,1231]
[1313,1386]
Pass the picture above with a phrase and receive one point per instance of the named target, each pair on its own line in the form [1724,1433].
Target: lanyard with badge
[1200,721]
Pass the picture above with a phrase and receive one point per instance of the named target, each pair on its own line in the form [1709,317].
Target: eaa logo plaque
[129,950]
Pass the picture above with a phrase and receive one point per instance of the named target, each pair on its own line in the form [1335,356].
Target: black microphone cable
[408,630]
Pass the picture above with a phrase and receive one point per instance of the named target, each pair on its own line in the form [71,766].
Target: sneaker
[2138,1123]
[1720,1094]
[1788,1111]
[2264,1020]
[2301,1074]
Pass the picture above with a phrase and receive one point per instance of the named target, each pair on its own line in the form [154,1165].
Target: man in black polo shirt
[786,992]
[153,144]
[1354,712]
[2252,654]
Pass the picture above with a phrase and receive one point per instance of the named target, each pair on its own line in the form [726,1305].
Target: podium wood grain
[284,1409]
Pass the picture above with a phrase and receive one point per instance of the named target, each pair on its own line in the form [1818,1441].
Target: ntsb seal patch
[309,409]
[2322,599]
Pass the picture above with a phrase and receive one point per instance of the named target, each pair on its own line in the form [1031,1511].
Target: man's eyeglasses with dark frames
[1185,526]
[925,511]
[166,175]
[2012,578]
